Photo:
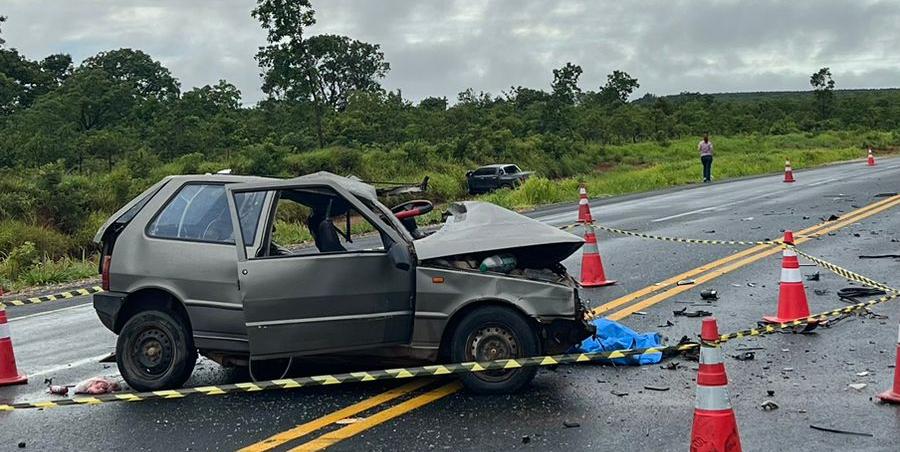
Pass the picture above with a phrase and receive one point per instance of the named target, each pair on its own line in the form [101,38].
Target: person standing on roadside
[706,153]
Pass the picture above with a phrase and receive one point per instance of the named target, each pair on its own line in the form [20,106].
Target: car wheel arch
[473,305]
[151,298]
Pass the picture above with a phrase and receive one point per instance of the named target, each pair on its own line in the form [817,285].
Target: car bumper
[108,305]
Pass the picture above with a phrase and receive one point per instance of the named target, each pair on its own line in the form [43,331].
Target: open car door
[324,298]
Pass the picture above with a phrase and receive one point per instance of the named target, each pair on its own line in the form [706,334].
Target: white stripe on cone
[789,253]
[790,275]
[712,398]
[710,355]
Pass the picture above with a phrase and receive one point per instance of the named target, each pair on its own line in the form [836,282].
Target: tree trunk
[319,132]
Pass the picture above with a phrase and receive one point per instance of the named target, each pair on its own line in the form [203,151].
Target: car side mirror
[399,256]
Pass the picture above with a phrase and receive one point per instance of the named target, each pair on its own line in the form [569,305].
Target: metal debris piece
[770,392]
[685,282]
[618,393]
[667,325]
[885,195]
[813,277]
[526,439]
[671,365]
[821,292]
[709,294]
[745,356]
[685,313]
[656,388]
[880,256]
[834,430]
[768,405]
[569,424]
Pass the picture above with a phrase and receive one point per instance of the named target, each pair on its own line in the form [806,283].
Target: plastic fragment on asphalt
[857,386]
[768,405]
[685,282]
[745,356]
[685,313]
[569,424]
[618,393]
[813,277]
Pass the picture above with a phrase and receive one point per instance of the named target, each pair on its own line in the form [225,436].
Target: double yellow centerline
[617,309]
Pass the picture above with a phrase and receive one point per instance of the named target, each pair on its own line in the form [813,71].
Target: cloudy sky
[442,47]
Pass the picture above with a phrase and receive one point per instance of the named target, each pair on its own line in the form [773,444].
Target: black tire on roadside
[155,350]
[505,327]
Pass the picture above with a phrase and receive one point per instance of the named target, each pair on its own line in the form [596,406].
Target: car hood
[479,227]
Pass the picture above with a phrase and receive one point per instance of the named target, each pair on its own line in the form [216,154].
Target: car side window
[314,221]
[199,212]
[487,171]
[512,169]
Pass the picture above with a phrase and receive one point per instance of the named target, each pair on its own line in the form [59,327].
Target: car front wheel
[155,350]
[495,333]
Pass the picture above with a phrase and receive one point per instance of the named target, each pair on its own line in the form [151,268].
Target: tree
[433,104]
[619,85]
[209,100]
[823,90]
[2,19]
[148,78]
[565,84]
[323,70]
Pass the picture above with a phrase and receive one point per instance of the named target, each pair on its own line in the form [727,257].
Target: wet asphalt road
[809,374]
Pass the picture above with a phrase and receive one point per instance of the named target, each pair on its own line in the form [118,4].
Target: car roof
[353,185]
[497,165]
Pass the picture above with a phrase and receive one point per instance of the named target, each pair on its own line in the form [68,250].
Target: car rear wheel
[155,350]
[495,333]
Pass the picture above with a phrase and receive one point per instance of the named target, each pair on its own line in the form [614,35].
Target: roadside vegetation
[78,141]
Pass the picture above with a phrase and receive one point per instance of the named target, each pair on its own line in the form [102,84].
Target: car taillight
[104,272]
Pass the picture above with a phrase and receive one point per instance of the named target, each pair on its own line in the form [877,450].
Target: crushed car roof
[476,227]
[353,185]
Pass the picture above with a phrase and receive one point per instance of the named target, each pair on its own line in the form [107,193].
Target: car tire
[155,350]
[495,332]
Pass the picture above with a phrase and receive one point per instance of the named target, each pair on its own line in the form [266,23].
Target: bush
[46,241]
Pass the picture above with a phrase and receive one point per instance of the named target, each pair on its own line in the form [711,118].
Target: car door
[328,301]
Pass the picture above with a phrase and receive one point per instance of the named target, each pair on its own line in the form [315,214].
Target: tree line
[76,139]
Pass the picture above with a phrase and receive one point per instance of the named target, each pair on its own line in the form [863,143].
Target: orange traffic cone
[592,274]
[584,209]
[788,172]
[893,395]
[715,427]
[871,160]
[9,374]
[792,304]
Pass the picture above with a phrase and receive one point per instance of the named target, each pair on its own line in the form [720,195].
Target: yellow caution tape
[68,295]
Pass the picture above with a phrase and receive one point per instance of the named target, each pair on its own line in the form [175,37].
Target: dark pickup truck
[492,177]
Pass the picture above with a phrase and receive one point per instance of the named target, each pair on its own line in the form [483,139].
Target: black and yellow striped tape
[673,239]
[844,272]
[813,319]
[55,297]
[352,377]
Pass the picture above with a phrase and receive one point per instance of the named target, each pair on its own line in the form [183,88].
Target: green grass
[606,171]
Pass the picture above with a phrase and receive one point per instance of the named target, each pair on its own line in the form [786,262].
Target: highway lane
[685,212]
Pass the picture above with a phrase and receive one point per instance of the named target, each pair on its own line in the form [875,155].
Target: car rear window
[485,172]
[199,212]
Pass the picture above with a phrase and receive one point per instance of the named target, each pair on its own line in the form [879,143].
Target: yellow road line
[742,263]
[324,421]
[336,436]
[717,263]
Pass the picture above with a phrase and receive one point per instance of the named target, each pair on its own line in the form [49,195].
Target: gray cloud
[441,47]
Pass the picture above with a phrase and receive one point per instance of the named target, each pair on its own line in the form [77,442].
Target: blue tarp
[615,336]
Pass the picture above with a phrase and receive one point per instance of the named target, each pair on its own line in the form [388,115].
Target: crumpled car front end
[485,253]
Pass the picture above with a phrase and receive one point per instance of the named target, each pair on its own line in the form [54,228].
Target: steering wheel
[412,208]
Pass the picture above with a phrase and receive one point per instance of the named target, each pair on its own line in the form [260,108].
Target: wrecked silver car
[323,268]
